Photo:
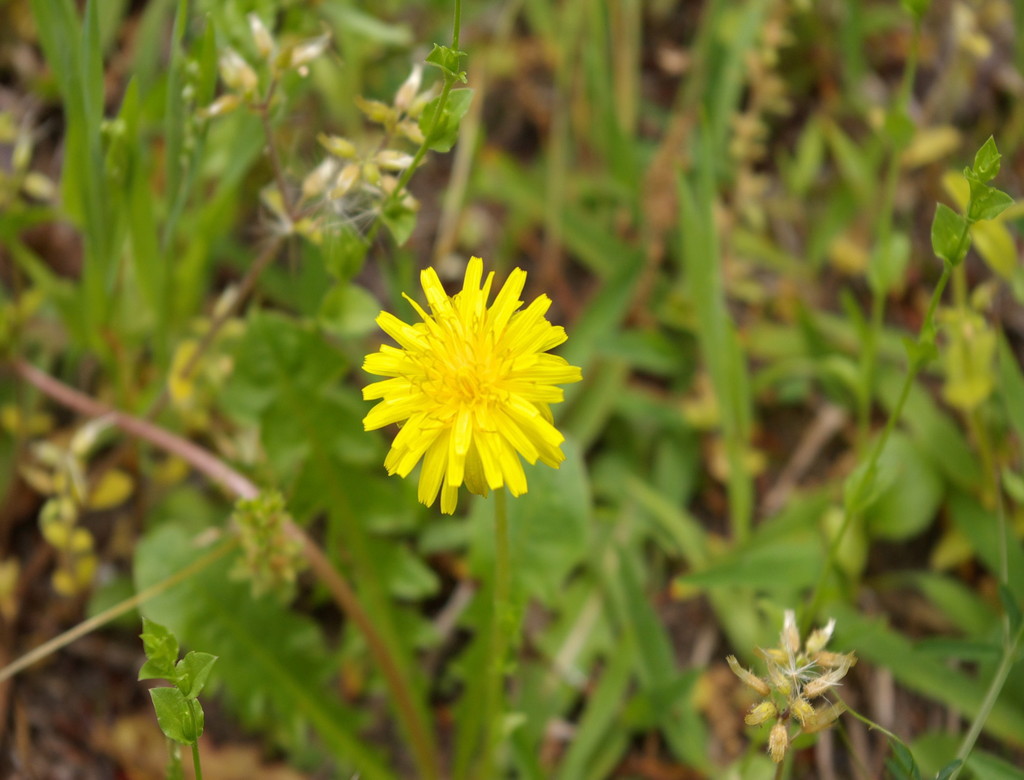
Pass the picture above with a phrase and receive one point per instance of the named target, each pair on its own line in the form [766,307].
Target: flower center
[470,373]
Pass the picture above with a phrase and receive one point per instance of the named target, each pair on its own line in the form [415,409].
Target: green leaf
[948,234]
[902,765]
[949,769]
[344,253]
[348,310]
[990,767]
[889,263]
[192,673]
[180,719]
[549,527]
[986,202]
[899,127]
[1012,608]
[910,499]
[449,60]
[986,161]
[277,353]
[916,8]
[161,648]
[399,219]
[442,133]
[1011,385]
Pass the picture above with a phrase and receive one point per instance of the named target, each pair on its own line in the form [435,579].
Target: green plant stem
[855,498]
[107,615]
[1006,662]
[218,471]
[195,761]
[501,630]
[869,353]
[449,82]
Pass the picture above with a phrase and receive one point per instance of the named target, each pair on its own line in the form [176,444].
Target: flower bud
[760,713]
[302,53]
[749,679]
[237,74]
[778,742]
[391,160]
[407,92]
[336,145]
[261,36]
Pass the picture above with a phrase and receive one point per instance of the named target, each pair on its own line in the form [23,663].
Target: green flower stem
[107,615]
[218,471]
[1010,648]
[853,505]
[502,630]
[872,725]
[428,138]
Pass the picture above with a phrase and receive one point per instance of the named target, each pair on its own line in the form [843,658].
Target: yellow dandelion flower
[471,387]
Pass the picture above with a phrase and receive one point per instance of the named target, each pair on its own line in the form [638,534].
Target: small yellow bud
[760,713]
[80,541]
[802,710]
[371,172]
[85,570]
[410,130]
[64,583]
[336,145]
[778,742]
[375,111]
[747,677]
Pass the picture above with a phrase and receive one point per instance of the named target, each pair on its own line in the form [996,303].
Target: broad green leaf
[937,436]
[278,354]
[449,60]
[910,499]
[193,671]
[986,161]
[948,234]
[180,719]
[442,133]
[161,648]
[987,202]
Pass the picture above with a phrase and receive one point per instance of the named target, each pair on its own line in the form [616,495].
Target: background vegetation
[731,205]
